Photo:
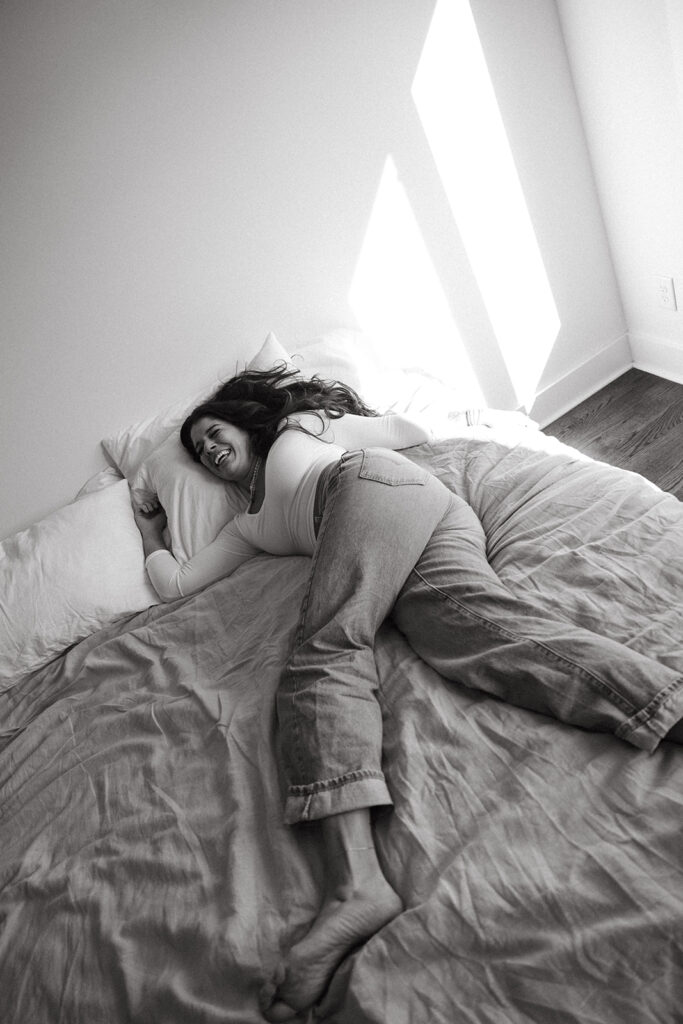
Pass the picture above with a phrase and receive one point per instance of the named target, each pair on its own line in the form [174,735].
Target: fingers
[149,507]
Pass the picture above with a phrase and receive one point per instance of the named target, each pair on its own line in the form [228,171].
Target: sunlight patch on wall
[456,103]
[397,297]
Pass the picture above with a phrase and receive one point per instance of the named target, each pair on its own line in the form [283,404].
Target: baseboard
[582,382]
[655,355]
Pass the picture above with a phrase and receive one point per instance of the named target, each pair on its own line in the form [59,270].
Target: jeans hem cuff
[349,796]
[650,725]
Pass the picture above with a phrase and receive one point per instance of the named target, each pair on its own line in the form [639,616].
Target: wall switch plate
[666,292]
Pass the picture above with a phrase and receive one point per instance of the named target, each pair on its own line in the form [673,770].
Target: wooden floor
[636,422]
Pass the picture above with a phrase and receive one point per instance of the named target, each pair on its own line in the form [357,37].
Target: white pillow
[351,357]
[128,448]
[79,569]
[103,478]
[342,354]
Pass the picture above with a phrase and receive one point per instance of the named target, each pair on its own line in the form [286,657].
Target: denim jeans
[394,540]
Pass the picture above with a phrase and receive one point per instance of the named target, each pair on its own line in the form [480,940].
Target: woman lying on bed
[386,538]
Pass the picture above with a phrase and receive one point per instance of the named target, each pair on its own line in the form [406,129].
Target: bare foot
[342,924]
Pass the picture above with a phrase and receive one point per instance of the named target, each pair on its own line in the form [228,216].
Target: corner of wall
[657,355]
[583,381]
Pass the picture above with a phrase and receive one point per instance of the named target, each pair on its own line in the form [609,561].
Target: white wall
[178,179]
[528,63]
[627,63]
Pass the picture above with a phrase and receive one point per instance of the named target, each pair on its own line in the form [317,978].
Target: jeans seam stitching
[324,785]
[329,504]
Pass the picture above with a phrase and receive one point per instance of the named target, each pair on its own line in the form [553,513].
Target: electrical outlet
[666,292]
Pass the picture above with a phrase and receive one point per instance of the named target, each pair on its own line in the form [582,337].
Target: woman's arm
[172,579]
[150,520]
[393,430]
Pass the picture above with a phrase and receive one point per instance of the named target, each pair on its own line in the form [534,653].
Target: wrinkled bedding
[145,875]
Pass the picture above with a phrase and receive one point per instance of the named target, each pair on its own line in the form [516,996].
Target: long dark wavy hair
[258,400]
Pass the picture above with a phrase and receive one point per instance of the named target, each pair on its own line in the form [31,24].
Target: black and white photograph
[341,519]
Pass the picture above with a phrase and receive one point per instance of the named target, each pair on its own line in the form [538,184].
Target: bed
[145,875]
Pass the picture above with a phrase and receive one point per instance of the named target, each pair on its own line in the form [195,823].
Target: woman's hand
[150,520]
[149,517]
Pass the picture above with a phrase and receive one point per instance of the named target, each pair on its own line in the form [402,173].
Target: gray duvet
[145,875]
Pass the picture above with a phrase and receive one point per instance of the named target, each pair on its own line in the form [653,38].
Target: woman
[274,427]
[386,538]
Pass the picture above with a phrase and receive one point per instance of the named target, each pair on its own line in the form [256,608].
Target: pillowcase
[103,478]
[128,448]
[351,356]
[77,570]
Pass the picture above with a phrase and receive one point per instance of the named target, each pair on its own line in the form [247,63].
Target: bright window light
[397,298]
[456,103]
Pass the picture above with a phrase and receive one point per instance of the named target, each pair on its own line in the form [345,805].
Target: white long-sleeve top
[284,523]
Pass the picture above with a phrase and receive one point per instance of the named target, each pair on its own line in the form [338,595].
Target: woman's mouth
[221,457]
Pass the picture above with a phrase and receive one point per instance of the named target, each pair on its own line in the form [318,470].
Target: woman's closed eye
[200,447]
[210,434]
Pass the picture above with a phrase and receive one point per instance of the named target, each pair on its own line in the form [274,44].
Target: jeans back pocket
[389,467]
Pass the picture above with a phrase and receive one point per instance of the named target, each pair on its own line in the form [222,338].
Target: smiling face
[225,450]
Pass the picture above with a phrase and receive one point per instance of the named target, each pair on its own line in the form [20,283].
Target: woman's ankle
[350,853]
